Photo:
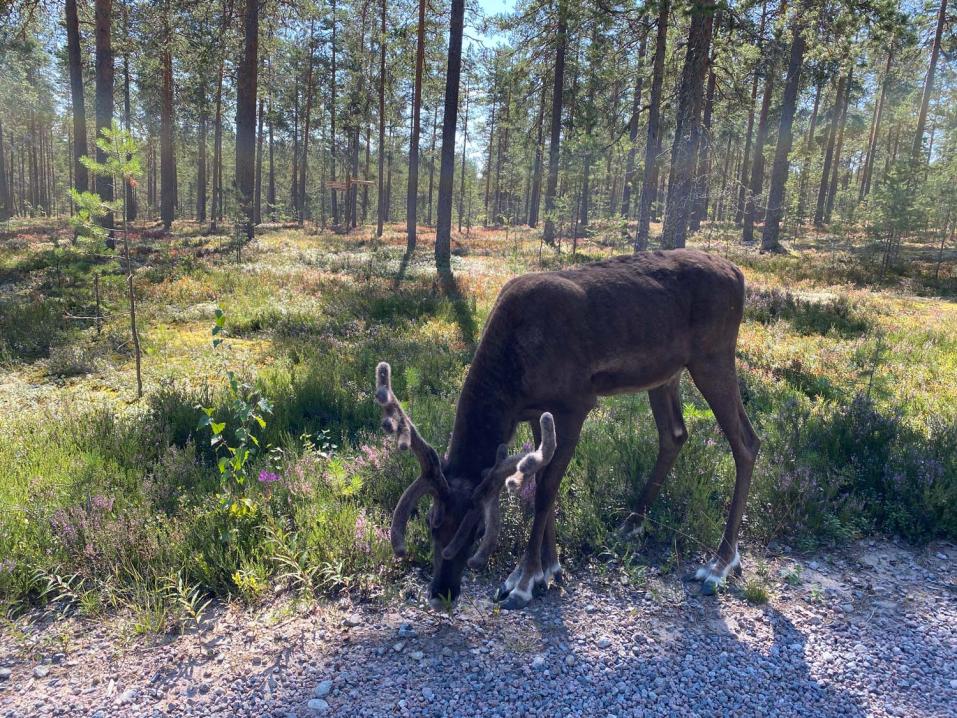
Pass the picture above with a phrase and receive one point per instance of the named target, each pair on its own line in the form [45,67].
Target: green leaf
[218,426]
[222,464]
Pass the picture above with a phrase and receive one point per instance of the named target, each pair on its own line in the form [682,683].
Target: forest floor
[870,630]
[113,514]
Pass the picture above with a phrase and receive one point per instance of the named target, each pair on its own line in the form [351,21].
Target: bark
[702,180]
[443,233]
[757,164]
[746,162]
[649,181]
[381,147]
[201,162]
[807,152]
[306,122]
[918,147]
[684,150]
[832,189]
[75,61]
[218,155]
[488,164]
[868,169]
[104,94]
[465,140]
[551,184]
[246,79]
[633,131]
[412,195]
[536,189]
[167,168]
[332,120]
[5,210]
[271,186]
[258,206]
[770,238]
[130,203]
[829,153]
[435,116]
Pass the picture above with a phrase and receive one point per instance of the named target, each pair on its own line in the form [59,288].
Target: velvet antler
[508,470]
[431,480]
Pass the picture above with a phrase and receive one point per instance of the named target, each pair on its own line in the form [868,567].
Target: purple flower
[102,503]
[268,477]
[7,565]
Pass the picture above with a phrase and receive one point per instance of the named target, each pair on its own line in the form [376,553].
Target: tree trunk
[271,186]
[412,195]
[465,140]
[770,241]
[435,116]
[218,156]
[929,84]
[868,169]
[746,162]
[757,164]
[380,220]
[551,184]
[702,181]
[807,152]
[649,181]
[246,77]
[684,151]
[832,189]
[201,162]
[167,168]
[829,152]
[488,163]
[5,210]
[633,131]
[536,190]
[81,178]
[104,95]
[258,205]
[332,120]
[306,122]
[443,232]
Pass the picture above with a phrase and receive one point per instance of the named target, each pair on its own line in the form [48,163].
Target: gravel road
[868,631]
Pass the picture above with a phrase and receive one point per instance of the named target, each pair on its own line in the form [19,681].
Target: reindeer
[553,344]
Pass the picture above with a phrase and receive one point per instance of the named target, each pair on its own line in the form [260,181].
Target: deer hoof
[554,574]
[516,601]
[714,574]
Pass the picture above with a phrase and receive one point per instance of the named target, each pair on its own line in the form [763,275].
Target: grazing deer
[554,343]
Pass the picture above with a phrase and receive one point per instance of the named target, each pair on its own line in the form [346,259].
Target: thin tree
[246,116]
[684,150]
[381,203]
[75,61]
[770,241]
[167,157]
[443,232]
[465,141]
[918,147]
[633,130]
[412,197]
[306,122]
[104,95]
[649,180]
[558,89]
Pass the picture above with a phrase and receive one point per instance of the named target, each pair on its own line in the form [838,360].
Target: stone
[569,660]
[428,693]
[5,674]
[352,620]
[41,671]
[318,705]
[323,689]
[603,642]
[126,697]
[417,655]
[398,646]
[538,661]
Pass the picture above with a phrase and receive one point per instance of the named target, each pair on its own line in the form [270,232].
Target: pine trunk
[75,61]
[104,95]
[558,89]
[443,233]
[246,79]
[412,194]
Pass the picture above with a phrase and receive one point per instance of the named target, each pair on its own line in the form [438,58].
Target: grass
[115,504]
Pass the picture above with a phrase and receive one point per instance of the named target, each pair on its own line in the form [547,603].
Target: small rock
[942,556]
[323,689]
[569,660]
[812,565]
[41,671]
[4,674]
[538,661]
[953,683]
[399,645]
[128,696]
[847,607]
[603,642]
[428,693]
[407,631]
[352,620]
[417,655]
[318,705]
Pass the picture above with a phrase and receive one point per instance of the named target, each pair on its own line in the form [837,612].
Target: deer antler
[431,480]
[508,470]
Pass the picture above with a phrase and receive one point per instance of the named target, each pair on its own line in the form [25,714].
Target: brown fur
[555,342]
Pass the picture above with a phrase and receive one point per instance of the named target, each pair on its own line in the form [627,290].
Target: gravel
[596,649]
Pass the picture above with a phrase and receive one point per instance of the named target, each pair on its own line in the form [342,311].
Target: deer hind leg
[717,380]
[666,408]
[519,587]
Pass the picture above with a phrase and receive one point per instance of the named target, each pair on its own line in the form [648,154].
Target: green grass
[115,504]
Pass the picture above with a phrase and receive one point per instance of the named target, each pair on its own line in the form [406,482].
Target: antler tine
[403,510]
[532,463]
[395,421]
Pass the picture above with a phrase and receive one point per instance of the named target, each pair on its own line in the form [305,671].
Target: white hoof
[712,575]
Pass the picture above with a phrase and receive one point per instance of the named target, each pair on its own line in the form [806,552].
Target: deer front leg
[551,566]
[519,587]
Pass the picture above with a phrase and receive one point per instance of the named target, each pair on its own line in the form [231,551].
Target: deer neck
[483,420]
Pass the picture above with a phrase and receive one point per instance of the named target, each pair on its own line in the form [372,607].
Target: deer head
[464,509]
